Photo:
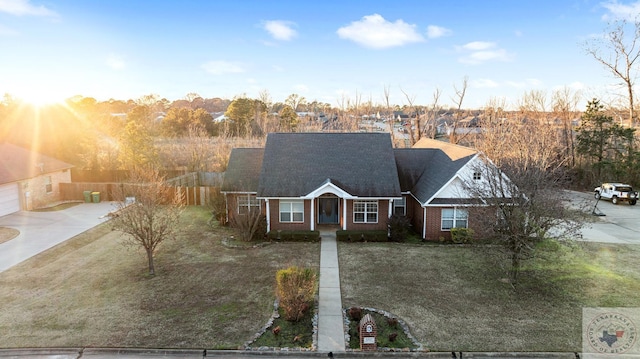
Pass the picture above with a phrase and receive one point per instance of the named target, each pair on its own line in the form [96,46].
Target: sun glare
[41,98]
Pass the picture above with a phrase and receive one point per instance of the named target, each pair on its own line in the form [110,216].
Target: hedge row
[294,236]
[362,236]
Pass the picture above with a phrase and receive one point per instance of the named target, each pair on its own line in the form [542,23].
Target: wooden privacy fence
[197,187]
[192,196]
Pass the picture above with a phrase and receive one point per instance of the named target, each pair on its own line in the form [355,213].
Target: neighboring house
[29,180]
[352,180]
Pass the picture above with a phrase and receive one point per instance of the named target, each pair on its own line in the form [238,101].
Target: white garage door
[9,199]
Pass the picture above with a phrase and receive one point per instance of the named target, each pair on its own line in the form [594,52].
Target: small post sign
[368,332]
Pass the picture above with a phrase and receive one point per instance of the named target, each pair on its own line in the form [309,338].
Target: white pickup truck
[616,192]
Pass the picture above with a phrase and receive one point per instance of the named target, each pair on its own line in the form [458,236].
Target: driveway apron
[40,231]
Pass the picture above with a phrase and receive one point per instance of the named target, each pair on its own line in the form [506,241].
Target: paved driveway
[40,231]
[620,223]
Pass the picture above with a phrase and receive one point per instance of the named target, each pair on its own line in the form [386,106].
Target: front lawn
[455,298]
[92,291]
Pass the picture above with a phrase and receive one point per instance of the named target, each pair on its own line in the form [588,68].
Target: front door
[328,210]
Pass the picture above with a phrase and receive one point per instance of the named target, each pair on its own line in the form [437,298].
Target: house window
[291,211]
[454,218]
[400,207]
[365,211]
[48,184]
[248,203]
[477,176]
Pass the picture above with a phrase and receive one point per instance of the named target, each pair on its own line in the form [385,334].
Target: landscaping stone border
[403,325]
[274,316]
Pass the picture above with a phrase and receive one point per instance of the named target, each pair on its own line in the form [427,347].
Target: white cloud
[478,45]
[222,67]
[525,83]
[280,30]
[116,62]
[484,83]
[24,7]
[277,68]
[477,52]
[619,11]
[434,31]
[373,31]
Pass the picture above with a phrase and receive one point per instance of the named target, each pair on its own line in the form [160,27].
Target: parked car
[616,192]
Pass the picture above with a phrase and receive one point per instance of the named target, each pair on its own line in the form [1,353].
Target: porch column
[344,214]
[313,217]
[268,215]
[390,208]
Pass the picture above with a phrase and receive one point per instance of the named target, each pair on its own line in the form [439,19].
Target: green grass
[92,291]
[384,330]
[290,334]
[456,297]
[58,207]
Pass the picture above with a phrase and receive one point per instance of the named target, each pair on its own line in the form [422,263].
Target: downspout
[424,222]
[268,215]
[226,208]
[312,219]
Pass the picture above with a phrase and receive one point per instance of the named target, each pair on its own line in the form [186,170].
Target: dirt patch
[7,234]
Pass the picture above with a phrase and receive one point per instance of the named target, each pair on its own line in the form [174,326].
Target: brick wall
[38,196]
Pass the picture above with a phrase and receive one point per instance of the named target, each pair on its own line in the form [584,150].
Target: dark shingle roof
[18,163]
[424,171]
[243,171]
[296,164]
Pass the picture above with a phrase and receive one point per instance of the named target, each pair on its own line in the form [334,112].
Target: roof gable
[426,170]
[18,163]
[296,164]
[243,170]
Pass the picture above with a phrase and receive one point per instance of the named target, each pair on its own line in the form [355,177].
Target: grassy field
[457,298]
[92,291]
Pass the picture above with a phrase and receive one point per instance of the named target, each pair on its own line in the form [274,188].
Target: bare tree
[250,224]
[414,126]
[565,104]
[430,124]
[458,99]
[521,183]
[389,113]
[152,216]
[618,53]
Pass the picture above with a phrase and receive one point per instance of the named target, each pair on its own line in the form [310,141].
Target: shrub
[295,289]
[355,314]
[398,228]
[393,322]
[362,236]
[461,235]
[294,236]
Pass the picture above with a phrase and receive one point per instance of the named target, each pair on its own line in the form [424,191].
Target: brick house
[352,180]
[29,180]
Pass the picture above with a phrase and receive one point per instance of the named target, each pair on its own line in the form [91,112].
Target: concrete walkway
[40,231]
[330,321]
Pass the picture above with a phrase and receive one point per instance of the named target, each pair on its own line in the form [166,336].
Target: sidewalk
[40,231]
[330,320]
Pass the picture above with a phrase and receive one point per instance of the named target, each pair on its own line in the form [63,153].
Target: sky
[329,51]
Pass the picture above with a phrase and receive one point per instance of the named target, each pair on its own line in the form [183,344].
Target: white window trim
[366,212]
[404,205]
[290,211]
[48,184]
[456,210]
[252,201]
